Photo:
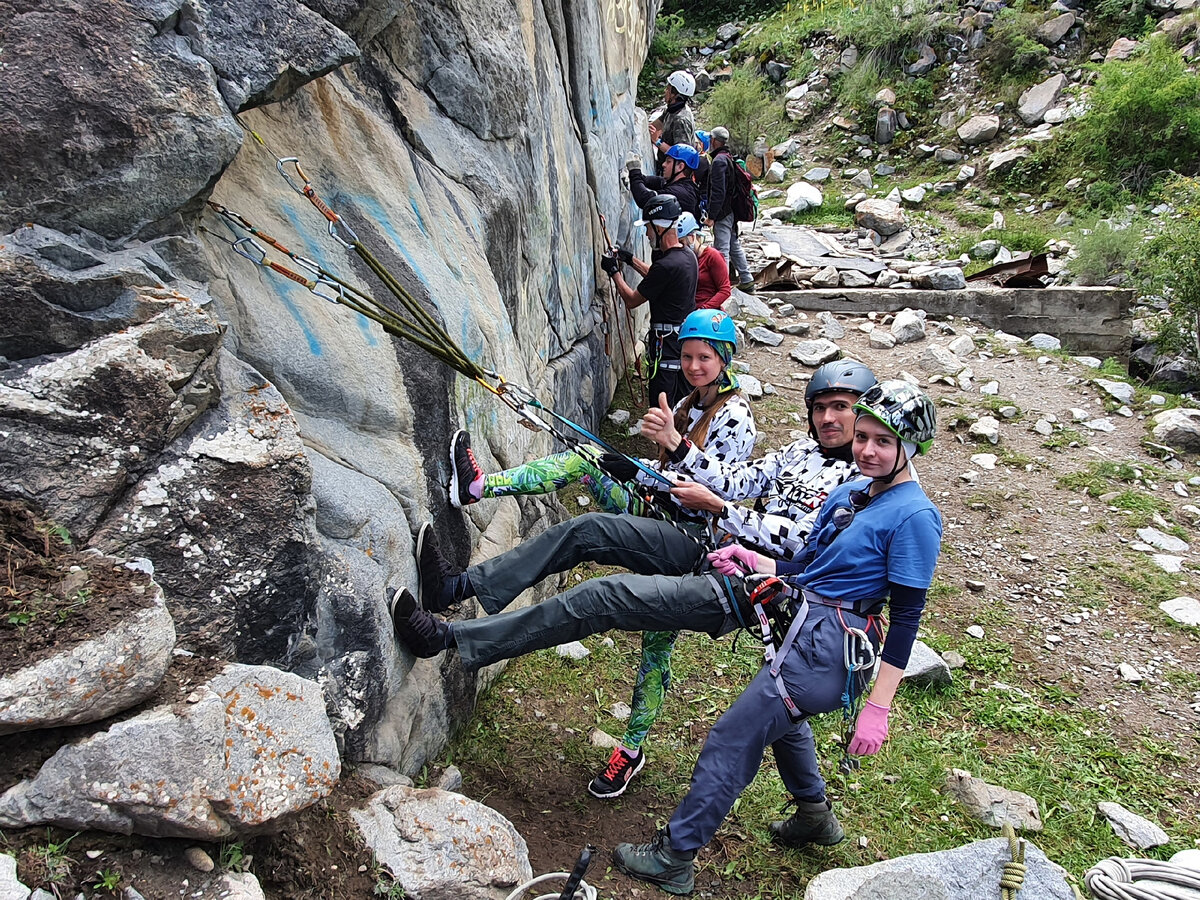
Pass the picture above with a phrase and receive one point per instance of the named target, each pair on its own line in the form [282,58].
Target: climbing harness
[1142,879]
[575,887]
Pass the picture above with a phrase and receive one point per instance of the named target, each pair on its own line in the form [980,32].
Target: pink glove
[872,729]
[734,559]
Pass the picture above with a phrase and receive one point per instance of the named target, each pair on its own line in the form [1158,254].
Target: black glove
[625,256]
[619,467]
[609,264]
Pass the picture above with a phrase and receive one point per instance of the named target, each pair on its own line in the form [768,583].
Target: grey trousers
[661,596]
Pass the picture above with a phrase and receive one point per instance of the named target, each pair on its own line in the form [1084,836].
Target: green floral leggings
[549,474]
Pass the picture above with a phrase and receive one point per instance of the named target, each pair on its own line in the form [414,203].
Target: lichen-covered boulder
[251,745]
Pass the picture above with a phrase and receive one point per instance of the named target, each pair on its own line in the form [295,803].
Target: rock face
[270,452]
[970,871]
[254,744]
[440,844]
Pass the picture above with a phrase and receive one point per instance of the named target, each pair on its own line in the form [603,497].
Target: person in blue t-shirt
[875,540]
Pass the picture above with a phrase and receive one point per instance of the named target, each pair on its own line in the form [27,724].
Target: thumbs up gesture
[659,424]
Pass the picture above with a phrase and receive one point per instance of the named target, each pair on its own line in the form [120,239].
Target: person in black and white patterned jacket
[670,589]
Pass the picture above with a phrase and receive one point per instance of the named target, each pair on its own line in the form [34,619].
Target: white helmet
[684,83]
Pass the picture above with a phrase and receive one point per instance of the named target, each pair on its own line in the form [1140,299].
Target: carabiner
[307,190]
[256,255]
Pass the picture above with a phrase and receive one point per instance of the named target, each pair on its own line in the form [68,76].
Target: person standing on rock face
[677,179]
[721,217]
[675,125]
[665,593]
[876,541]
[669,286]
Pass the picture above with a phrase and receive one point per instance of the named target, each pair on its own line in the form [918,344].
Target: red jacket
[712,287]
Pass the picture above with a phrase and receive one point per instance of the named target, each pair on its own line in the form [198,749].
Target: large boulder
[966,872]
[802,196]
[251,745]
[441,844]
[100,676]
[882,216]
[1038,99]
[1178,428]
[1054,30]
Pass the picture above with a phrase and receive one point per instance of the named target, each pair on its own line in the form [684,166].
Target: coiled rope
[1142,879]
[1014,871]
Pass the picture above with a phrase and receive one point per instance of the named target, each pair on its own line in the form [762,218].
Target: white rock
[619,416]
[1184,610]
[1167,542]
[979,129]
[1118,390]
[1129,673]
[985,429]
[802,196]
[572,650]
[881,340]
[985,460]
[962,345]
[976,631]
[908,326]
[991,389]
[1139,833]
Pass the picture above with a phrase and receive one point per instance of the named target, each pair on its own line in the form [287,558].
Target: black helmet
[846,375]
[662,210]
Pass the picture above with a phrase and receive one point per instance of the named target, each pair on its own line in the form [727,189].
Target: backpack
[743,201]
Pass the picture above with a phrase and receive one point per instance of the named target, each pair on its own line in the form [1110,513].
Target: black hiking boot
[811,823]
[416,629]
[437,580]
[657,863]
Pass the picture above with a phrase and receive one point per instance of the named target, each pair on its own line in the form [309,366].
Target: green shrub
[1012,53]
[858,87]
[887,29]
[1105,252]
[1144,119]
[1123,18]
[743,105]
[1169,265]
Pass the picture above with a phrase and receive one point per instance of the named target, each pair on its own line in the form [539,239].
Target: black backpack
[743,202]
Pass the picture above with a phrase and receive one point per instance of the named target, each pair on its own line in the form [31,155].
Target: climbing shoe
[466,478]
[416,629]
[617,774]
[811,823]
[747,287]
[657,863]
[437,580]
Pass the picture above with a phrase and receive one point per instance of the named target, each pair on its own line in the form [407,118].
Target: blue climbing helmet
[686,225]
[705,139]
[708,325]
[717,330]
[686,154]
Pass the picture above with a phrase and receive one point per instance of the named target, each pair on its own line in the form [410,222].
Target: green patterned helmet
[904,409]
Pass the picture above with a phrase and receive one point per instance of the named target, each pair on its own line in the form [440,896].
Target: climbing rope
[1014,872]
[1142,879]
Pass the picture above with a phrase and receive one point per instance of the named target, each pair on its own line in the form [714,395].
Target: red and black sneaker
[464,471]
[617,774]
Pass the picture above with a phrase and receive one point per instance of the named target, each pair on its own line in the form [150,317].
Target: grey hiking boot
[657,863]
[811,823]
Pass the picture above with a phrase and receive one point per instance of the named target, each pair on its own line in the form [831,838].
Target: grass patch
[826,214]
[1064,438]
[1103,477]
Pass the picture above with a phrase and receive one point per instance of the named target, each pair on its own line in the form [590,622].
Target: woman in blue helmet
[715,417]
